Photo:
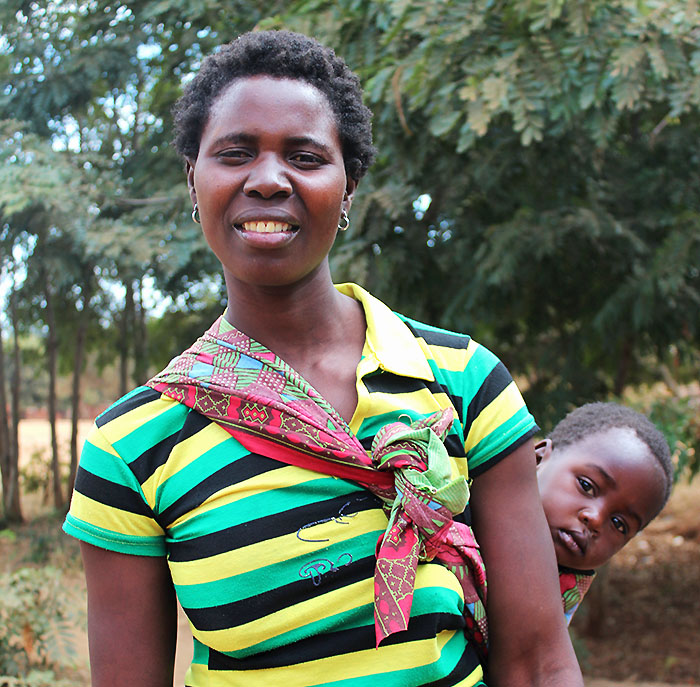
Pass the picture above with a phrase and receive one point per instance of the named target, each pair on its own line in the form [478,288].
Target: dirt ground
[649,635]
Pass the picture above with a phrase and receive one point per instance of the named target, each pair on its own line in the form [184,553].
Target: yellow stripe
[421,401]
[133,420]
[97,439]
[113,519]
[272,551]
[285,477]
[184,453]
[346,666]
[491,417]
[340,601]
[449,359]
[473,677]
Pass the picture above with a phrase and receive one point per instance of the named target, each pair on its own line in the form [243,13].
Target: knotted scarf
[271,410]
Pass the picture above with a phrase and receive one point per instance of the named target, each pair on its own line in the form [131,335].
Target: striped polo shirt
[273,564]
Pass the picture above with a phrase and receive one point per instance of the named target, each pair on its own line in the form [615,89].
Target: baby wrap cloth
[271,410]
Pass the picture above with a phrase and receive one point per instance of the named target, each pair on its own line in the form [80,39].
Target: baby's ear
[543,449]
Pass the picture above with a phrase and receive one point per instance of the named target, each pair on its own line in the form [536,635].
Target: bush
[35,628]
[677,414]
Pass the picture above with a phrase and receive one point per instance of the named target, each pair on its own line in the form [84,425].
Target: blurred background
[537,186]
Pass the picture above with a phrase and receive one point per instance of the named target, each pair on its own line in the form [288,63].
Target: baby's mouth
[573,541]
[266,227]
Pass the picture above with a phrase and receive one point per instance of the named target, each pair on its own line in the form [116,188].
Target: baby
[604,474]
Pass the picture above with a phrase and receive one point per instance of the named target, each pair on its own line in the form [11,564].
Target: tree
[555,143]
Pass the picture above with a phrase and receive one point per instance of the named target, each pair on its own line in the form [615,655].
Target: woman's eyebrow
[236,138]
[233,138]
[310,141]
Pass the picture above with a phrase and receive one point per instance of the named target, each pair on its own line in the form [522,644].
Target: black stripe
[456,401]
[111,494]
[236,471]
[147,463]
[271,526]
[337,643]
[388,383]
[497,380]
[503,454]
[238,613]
[441,337]
[466,665]
[121,407]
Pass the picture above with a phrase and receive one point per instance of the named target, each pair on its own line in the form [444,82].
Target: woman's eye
[306,159]
[620,525]
[585,484]
[235,154]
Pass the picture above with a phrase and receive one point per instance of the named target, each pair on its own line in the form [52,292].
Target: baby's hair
[284,55]
[593,418]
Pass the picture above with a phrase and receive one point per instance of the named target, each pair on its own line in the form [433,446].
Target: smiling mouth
[263,227]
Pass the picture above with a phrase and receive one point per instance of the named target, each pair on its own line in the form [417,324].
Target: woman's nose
[267,178]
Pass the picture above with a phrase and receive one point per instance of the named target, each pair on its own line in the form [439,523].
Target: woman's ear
[350,187]
[543,449]
[189,173]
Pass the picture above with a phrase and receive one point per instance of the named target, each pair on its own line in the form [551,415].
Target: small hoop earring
[344,221]
[195,214]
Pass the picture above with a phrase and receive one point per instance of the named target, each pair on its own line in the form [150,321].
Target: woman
[240,477]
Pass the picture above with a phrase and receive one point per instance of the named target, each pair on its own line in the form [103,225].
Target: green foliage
[555,139]
[679,419]
[34,474]
[35,626]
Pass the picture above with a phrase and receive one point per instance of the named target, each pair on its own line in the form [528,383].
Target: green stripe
[261,580]
[257,506]
[501,438]
[113,541]
[148,434]
[426,601]
[106,465]
[205,465]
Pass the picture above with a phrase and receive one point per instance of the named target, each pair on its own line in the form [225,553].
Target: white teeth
[266,227]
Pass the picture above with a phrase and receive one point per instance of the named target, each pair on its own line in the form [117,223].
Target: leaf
[444,123]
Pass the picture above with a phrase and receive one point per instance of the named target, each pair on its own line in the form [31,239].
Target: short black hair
[594,418]
[285,55]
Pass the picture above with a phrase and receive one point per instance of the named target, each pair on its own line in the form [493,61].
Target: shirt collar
[391,342]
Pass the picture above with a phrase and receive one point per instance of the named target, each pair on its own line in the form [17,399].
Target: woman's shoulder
[142,416]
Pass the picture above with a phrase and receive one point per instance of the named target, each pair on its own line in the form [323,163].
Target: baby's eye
[585,484]
[620,525]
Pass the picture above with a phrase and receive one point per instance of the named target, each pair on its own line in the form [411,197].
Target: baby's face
[597,494]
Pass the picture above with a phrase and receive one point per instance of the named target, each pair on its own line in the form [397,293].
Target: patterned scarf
[573,585]
[271,410]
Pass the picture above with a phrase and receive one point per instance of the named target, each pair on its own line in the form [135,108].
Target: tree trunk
[13,510]
[51,359]
[4,433]
[140,339]
[623,366]
[126,332]
[78,358]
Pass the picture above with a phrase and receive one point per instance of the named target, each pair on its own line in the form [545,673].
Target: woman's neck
[318,331]
[293,321]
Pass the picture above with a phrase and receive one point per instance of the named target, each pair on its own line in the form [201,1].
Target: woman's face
[270,181]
